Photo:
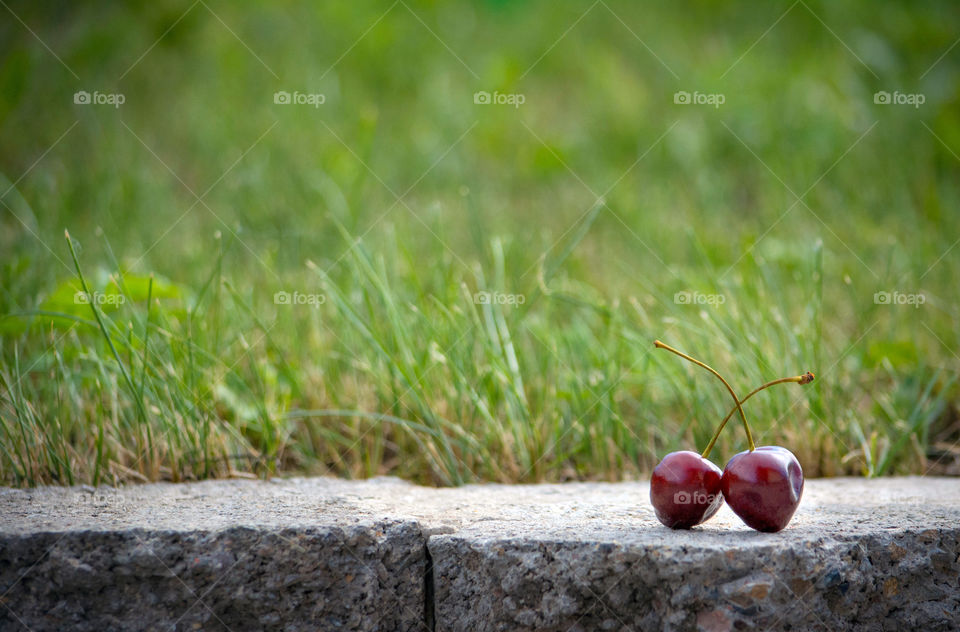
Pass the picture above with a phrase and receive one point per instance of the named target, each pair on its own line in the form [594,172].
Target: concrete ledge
[225,555]
[306,554]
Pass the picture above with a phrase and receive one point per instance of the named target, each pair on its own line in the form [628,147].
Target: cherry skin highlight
[763,487]
[685,490]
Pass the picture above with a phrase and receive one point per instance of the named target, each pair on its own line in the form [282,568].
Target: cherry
[685,490]
[763,487]
[684,486]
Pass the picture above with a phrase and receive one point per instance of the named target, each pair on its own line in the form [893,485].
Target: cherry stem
[736,400]
[806,378]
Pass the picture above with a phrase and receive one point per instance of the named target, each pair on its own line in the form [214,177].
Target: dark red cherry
[685,490]
[763,487]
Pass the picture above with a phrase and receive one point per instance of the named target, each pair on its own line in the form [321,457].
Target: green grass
[194,203]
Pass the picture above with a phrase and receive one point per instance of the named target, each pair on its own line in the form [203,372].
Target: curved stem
[736,400]
[806,378]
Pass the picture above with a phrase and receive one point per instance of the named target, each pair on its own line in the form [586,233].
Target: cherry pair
[762,485]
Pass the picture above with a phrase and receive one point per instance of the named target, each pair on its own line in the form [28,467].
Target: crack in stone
[429,605]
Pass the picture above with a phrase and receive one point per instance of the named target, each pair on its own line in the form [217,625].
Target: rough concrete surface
[225,555]
[318,554]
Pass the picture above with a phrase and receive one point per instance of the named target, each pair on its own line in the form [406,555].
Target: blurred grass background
[753,235]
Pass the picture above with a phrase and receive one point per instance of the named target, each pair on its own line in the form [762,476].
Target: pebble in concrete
[306,554]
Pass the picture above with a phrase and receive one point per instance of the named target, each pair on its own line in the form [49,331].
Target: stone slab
[858,555]
[317,553]
[224,555]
